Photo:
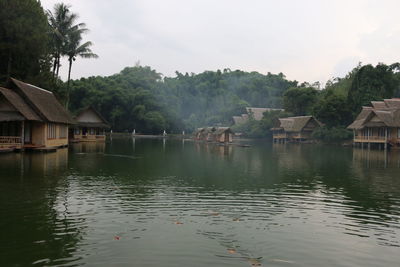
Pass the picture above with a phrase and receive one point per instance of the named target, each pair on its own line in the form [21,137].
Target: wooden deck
[371,139]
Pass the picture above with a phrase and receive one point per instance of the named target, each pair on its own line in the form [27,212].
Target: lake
[155,202]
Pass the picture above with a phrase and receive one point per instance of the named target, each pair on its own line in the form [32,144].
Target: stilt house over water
[214,134]
[90,126]
[31,118]
[295,129]
[379,124]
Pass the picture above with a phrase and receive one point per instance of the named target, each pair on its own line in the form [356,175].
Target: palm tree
[62,22]
[75,48]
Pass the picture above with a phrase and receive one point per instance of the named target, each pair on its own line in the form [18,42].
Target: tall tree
[300,100]
[75,48]
[24,46]
[333,110]
[62,22]
[372,83]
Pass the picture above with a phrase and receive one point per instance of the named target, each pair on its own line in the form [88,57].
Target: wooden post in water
[369,134]
[22,135]
[386,137]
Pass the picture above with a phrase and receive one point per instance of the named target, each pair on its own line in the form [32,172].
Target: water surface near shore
[160,202]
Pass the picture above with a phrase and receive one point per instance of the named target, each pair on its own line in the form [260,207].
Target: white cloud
[306,40]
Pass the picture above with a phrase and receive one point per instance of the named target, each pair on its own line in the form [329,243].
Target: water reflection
[377,158]
[39,163]
[88,147]
[176,203]
[35,222]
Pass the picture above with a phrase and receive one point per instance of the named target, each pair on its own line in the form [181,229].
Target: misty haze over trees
[140,98]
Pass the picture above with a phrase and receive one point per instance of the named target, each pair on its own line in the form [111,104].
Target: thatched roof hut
[298,128]
[296,124]
[22,111]
[384,113]
[214,134]
[31,117]
[379,124]
[42,102]
[91,118]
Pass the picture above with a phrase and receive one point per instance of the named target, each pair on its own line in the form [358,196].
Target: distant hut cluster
[90,126]
[214,134]
[295,129]
[32,118]
[255,113]
[379,124]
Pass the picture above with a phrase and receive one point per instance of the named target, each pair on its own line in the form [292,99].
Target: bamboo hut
[214,134]
[378,124]
[297,129]
[223,135]
[31,117]
[90,126]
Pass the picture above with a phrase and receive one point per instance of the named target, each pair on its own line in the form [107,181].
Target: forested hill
[142,99]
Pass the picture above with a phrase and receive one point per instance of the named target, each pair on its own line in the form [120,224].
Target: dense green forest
[140,98]
[32,42]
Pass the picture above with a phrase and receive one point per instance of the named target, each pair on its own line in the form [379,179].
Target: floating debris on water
[121,156]
[231,250]
[254,261]
[283,261]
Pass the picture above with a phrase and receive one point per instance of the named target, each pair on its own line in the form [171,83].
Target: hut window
[92,132]
[10,128]
[364,132]
[381,132]
[398,132]
[77,131]
[51,131]
[63,131]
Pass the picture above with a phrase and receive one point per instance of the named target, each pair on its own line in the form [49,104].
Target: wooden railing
[100,136]
[359,137]
[10,140]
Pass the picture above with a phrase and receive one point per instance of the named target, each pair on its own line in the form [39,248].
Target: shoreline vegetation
[140,98]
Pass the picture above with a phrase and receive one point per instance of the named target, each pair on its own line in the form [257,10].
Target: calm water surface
[148,202]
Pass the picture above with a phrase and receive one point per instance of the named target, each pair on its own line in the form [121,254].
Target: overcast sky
[307,40]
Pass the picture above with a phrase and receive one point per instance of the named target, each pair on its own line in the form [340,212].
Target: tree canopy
[33,41]
[140,98]
[24,42]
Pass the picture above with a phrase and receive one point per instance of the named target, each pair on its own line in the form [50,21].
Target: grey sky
[307,40]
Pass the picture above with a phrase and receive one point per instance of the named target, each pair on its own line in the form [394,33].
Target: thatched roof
[238,119]
[205,130]
[384,113]
[295,124]
[221,130]
[93,125]
[392,103]
[11,116]
[213,130]
[43,102]
[19,104]
[258,113]
[100,123]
